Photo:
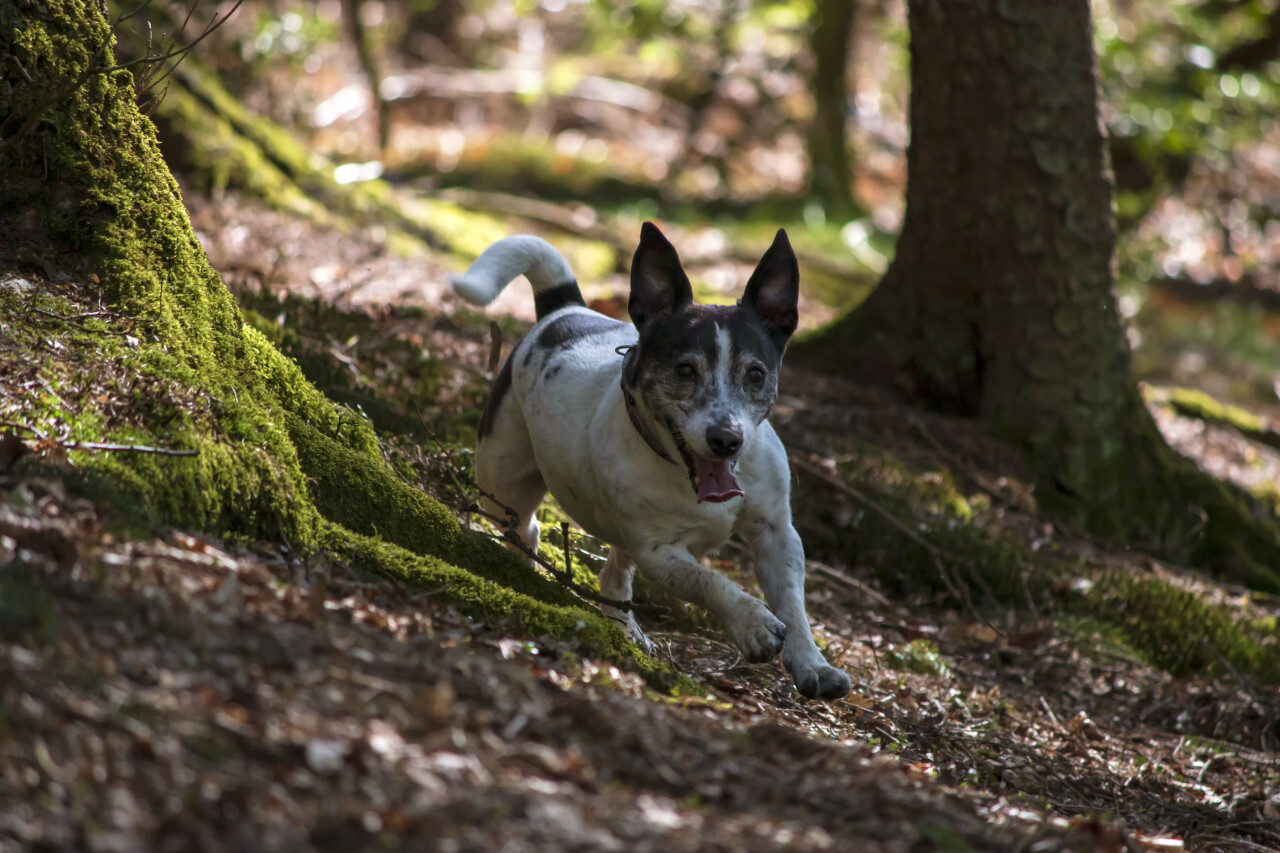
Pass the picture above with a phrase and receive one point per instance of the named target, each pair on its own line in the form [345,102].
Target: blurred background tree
[1000,302]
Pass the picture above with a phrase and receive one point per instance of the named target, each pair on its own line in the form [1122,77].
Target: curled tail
[554,285]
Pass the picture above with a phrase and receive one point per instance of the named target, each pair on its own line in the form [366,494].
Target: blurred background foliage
[717,116]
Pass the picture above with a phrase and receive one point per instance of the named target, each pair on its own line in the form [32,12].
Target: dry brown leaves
[180,693]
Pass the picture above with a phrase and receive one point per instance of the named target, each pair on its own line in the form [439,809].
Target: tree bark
[830,176]
[999,304]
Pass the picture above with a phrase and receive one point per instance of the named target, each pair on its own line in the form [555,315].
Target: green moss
[1179,631]
[919,656]
[1197,404]
[483,598]
[942,554]
[926,554]
[232,147]
[87,186]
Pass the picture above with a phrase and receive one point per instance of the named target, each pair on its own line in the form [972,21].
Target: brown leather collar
[648,437]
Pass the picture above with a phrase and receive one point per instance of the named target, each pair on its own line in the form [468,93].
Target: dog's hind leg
[511,485]
[506,497]
[615,583]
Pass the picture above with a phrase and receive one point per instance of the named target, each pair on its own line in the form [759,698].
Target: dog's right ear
[658,282]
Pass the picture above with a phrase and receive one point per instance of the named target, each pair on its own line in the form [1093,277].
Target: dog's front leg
[755,630]
[779,559]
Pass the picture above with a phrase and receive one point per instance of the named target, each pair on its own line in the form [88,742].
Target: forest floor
[175,692]
[163,690]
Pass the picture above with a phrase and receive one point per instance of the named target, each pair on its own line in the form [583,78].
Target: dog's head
[709,373]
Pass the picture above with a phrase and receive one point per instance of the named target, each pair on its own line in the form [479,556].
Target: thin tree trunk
[830,176]
[369,65]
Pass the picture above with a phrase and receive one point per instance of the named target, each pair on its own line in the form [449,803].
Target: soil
[175,692]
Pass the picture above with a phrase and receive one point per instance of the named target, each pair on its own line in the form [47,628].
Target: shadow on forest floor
[163,690]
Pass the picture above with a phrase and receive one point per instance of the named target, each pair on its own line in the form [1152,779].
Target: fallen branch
[67,444]
[1251,289]
[577,220]
[1190,403]
[136,448]
[581,222]
[852,582]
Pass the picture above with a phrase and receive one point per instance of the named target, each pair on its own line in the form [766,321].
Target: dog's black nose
[723,440]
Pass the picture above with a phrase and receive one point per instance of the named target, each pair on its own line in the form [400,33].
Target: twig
[853,582]
[495,345]
[208,30]
[79,319]
[67,444]
[564,540]
[57,95]
[1020,499]
[896,522]
[1201,841]
[136,448]
[123,16]
[15,425]
[1052,717]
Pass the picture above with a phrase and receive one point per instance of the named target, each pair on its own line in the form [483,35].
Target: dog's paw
[627,622]
[637,636]
[757,632]
[819,679]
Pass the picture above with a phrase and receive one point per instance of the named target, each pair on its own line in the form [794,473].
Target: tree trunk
[87,199]
[999,304]
[830,179]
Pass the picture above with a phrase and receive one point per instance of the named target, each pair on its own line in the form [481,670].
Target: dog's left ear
[658,281]
[773,292]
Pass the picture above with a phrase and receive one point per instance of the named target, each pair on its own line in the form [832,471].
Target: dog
[653,436]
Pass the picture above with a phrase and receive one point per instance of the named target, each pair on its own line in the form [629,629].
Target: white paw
[627,622]
[814,677]
[757,632]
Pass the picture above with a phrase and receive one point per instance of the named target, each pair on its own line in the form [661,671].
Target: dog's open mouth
[712,479]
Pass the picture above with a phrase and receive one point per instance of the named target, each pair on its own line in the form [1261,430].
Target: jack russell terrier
[653,436]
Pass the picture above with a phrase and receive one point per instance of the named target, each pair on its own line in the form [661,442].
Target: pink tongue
[716,482]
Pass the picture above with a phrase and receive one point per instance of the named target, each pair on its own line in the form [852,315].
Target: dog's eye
[685,370]
[755,374]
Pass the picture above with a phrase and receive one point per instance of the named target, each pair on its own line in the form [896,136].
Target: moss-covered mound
[129,337]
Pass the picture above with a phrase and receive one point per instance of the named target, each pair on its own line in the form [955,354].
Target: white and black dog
[653,437]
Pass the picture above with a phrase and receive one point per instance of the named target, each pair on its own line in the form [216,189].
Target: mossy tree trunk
[86,198]
[999,304]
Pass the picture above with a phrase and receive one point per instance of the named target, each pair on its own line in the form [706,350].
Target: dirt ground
[181,693]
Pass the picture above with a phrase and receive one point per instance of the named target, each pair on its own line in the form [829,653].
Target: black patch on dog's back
[553,299]
[559,333]
[563,331]
[501,386]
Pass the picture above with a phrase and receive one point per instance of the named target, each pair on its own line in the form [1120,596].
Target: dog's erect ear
[658,282]
[773,292]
